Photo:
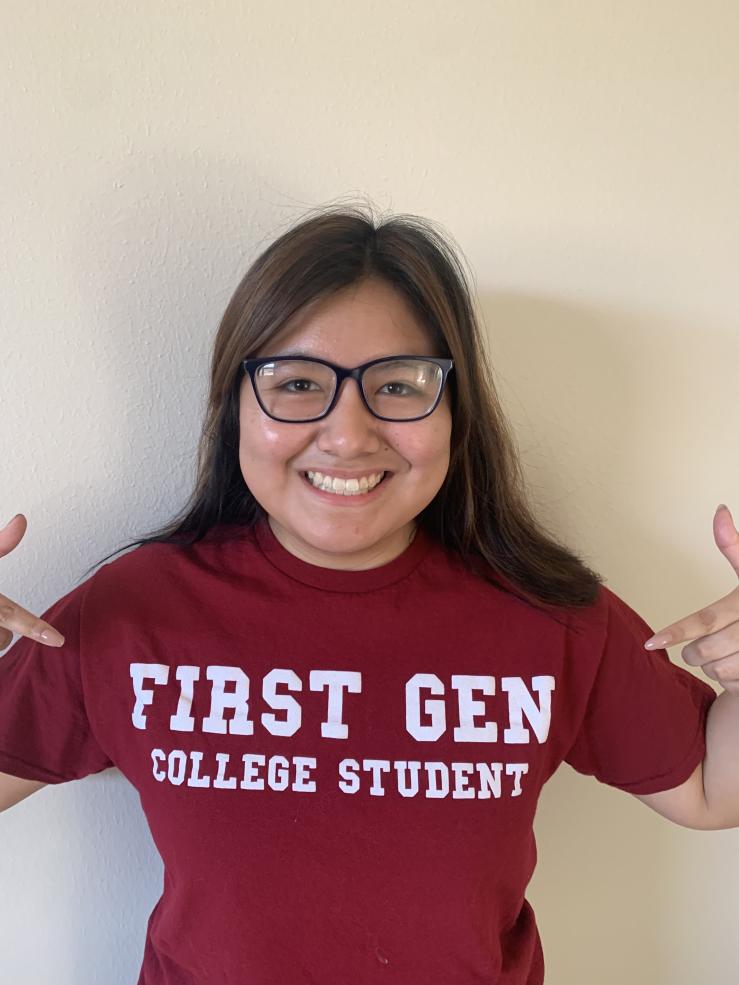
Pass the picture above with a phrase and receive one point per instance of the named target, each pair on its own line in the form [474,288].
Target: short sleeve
[643,728]
[45,732]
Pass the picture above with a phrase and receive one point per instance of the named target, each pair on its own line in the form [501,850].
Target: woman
[340,678]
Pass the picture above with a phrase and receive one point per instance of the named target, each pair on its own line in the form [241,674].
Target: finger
[19,620]
[726,536]
[723,671]
[710,619]
[713,647]
[12,534]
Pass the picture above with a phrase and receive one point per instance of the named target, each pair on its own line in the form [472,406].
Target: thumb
[726,536]
[12,534]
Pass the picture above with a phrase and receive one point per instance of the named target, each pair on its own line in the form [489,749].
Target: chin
[339,539]
[341,542]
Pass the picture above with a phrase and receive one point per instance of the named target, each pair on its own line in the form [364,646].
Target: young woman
[340,678]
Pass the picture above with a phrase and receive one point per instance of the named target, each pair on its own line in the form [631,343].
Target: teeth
[345,487]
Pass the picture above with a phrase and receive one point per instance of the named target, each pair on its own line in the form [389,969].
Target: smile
[345,487]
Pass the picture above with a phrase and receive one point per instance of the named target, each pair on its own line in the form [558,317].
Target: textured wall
[584,156]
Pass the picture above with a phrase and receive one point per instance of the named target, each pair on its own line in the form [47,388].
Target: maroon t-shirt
[340,769]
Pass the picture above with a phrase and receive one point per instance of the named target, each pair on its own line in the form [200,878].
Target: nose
[350,430]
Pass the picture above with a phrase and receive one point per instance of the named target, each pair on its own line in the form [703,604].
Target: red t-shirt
[340,769]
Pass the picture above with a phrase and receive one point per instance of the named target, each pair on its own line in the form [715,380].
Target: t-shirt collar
[336,580]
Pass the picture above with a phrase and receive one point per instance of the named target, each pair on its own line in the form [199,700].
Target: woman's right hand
[13,617]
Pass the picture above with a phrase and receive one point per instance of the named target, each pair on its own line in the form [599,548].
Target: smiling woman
[351,441]
[340,678]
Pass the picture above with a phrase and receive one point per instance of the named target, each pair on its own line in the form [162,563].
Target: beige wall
[585,157]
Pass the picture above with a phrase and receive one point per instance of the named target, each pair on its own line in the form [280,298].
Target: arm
[15,619]
[684,805]
[709,800]
[13,789]
[721,765]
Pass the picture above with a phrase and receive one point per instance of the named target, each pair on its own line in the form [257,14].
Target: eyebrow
[296,353]
[300,354]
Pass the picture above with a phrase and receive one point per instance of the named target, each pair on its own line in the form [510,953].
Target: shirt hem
[680,773]
[28,771]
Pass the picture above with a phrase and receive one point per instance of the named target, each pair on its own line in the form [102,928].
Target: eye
[298,385]
[404,387]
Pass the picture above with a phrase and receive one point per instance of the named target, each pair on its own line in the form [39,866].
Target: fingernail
[657,642]
[11,520]
[52,637]
[721,506]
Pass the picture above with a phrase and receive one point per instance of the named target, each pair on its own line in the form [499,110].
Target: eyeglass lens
[297,390]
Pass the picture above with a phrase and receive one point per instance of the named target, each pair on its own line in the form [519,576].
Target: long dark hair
[481,513]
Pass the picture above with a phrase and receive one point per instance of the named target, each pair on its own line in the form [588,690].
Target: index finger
[707,620]
[15,618]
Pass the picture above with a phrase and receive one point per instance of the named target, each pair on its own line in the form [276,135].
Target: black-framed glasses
[394,388]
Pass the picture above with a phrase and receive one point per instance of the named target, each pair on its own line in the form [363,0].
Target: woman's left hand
[714,630]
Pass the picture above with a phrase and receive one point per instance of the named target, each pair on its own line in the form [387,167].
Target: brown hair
[480,514]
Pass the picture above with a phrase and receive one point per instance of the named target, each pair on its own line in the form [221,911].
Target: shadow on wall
[578,385]
[566,376]
[604,452]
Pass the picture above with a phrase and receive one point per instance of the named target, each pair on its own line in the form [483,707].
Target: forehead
[359,323]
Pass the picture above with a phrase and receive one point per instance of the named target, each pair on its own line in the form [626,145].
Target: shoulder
[154,566]
[615,614]
[499,601]
[607,607]
[612,631]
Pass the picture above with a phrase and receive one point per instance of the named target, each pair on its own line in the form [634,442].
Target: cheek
[427,449]
[265,442]
[440,441]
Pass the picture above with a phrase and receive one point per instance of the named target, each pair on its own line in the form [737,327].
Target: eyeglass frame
[250,366]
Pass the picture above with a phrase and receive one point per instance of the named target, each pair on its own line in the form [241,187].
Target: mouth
[343,490]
